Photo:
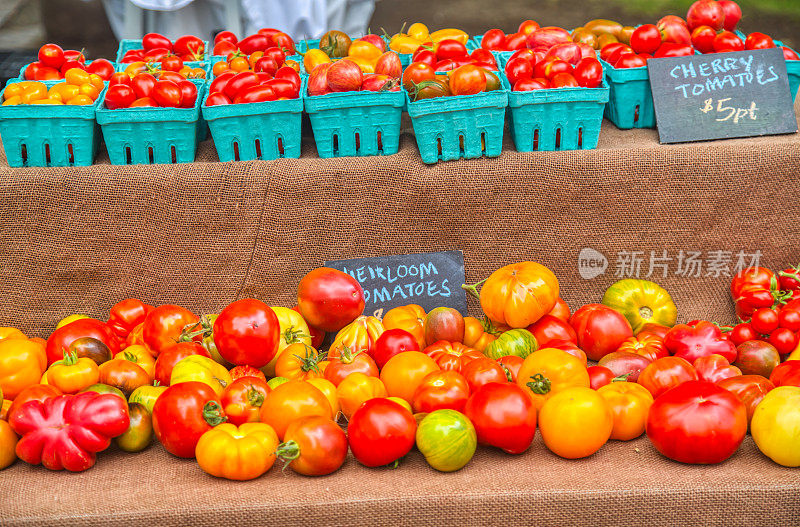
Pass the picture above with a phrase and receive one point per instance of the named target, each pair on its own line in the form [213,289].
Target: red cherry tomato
[143,85]
[101,67]
[189,45]
[225,36]
[531,84]
[451,49]
[517,69]
[119,96]
[758,40]
[167,93]
[703,39]
[120,78]
[589,73]
[188,94]
[154,41]
[467,80]
[764,321]
[646,39]
[215,99]
[630,60]
[494,39]
[51,55]
[728,41]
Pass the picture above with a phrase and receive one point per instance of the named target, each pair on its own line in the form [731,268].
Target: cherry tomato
[120,78]
[646,39]
[51,55]
[416,73]
[216,99]
[189,45]
[380,432]
[188,93]
[758,40]
[494,39]
[727,41]
[629,60]
[143,85]
[531,84]
[764,321]
[166,93]
[703,39]
[225,36]
[101,67]
[589,73]
[467,80]
[156,40]
[517,69]
[119,96]
[743,332]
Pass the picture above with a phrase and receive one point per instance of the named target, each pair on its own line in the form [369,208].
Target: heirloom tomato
[329,299]
[665,373]
[511,364]
[381,432]
[173,354]
[328,389]
[410,318]
[503,416]
[242,400]
[8,444]
[560,310]
[298,362]
[646,345]
[750,389]
[163,326]
[447,439]
[641,301]
[34,392]
[293,330]
[247,332]
[60,339]
[124,375]
[756,357]
[126,315]
[358,336]
[444,323]
[404,372]
[441,389]
[599,376]
[653,330]
[548,371]
[139,355]
[72,374]
[349,362]
[22,363]
[697,422]
[774,426]
[714,368]
[625,364]
[147,395]
[201,369]
[7,333]
[451,355]
[391,342]
[786,374]
[600,329]
[549,328]
[575,422]
[239,453]
[518,294]
[357,388]
[704,338]
[571,348]
[91,348]
[139,434]
[291,401]
[417,73]
[478,334]
[183,413]
[519,342]
[629,404]
[482,371]
[314,446]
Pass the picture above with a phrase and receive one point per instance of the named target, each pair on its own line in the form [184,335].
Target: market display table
[204,234]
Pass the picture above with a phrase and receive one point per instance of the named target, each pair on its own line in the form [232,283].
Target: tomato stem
[539,384]
[473,289]
[287,452]
[212,413]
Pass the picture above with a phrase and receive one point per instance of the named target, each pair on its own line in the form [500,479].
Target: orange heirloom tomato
[575,422]
[404,372]
[329,390]
[238,453]
[243,398]
[136,337]
[8,444]
[293,330]
[7,333]
[646,345]
[410,318]
[560,310]
[22,363]
[291,401]
[73,374]
[479,334]
[123,374]
[140,355]
[548,371]
[357,388]
[298,362]
[518,294]
[629,403]
[313,58]
[360,336]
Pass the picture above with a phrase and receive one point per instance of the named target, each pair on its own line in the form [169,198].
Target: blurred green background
[26,24]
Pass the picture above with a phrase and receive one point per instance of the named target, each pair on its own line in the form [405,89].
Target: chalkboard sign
[428,279]
[721,95]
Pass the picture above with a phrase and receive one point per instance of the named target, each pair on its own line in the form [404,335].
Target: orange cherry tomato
[357,388]
[253,58]
[80,100]
[47,101]
[12,101]
[410,318]
[575,422]
[291,401]
[219,68]
[90,90]
[97,81]
[548,371]
[629,403]
[239,64]
[404,372]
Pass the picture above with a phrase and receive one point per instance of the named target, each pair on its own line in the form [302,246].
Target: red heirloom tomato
[560,310]
[600,329]
[786,374]
[503,415]
[61,339]
[511,364]
[391,342]
[440,390]
[697,422]
[550,328]
[704,338]
[171,355]
[242,399]
[482,371]
[624,363]
[443,323]
[350,362]
[183,413]
[247,332]
[313,446]
[645,344]
[34,392]
[416,73]
[163,326]
[750,389]
[126,315]
[329,299]
[599,376]
[665,373]
[381,432]
[452,355]
[714,368]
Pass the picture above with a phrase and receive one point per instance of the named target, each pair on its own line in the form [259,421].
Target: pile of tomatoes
[244,388]
[369,53]
[268,61]
[226,42]
[248,86]
[345,75]
[447,55]
[157,48]
[419,35]
[497,40]
[145,90]
[421,81]
[54,63]
[79,88]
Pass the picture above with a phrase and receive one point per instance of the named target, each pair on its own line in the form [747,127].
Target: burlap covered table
[202,235]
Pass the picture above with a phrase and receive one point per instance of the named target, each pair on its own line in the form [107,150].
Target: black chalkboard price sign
[721,95]
[428,279]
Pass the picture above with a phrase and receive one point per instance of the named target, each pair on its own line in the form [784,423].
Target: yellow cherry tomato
[450,34]
[80,100]
[16,89]
[419,31]
[365,50]
[13,101]
[47,101]
[776,426]
[404,44]
[313,58]
[366,65]
[90,90]
[238,453]
[96,80]
[77,76]
[35,91]
[135,68]
[62,92]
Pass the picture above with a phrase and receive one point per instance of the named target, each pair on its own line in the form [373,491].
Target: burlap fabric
[204,234]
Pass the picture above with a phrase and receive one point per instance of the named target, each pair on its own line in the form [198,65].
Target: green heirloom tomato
[519,342]
[146,396]
[276,381]
[447,439]
[641,302]
[139,434]
[105,388]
